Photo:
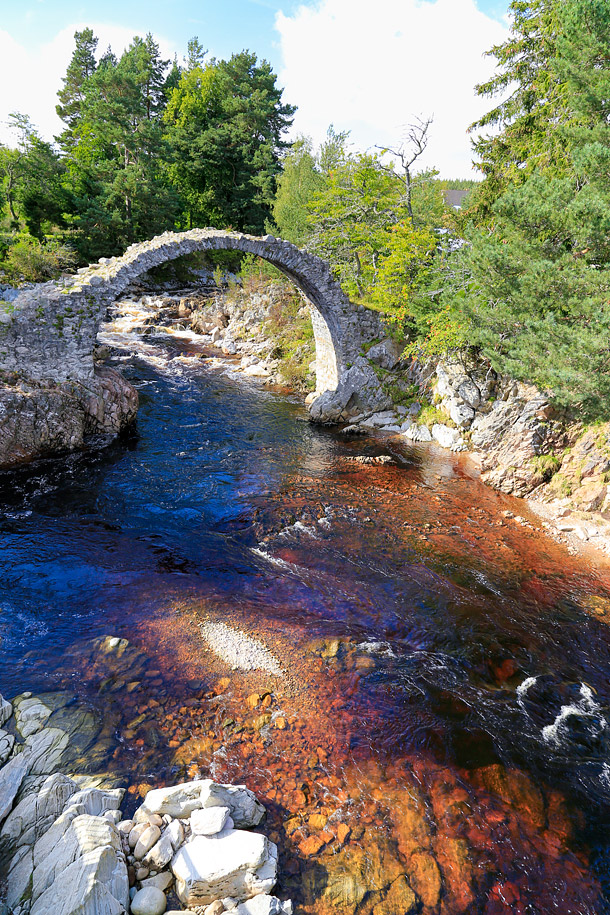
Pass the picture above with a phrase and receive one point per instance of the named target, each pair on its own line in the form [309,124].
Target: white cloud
[369,67]
[31,77]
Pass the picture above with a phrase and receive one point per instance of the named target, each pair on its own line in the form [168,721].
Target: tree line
[148,145]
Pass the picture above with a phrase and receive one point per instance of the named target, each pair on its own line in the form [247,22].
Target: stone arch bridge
[49,332]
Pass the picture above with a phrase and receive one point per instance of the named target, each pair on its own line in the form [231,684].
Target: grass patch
[547,465]
[430,415]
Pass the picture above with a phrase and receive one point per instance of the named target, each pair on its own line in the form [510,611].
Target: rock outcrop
[42,420]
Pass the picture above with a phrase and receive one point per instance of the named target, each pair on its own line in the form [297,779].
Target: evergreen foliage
[539,296]
[147,146]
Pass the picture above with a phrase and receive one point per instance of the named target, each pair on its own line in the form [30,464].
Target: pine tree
[531,103]
[82,66]
[118,161]
[539,300]
[225,125]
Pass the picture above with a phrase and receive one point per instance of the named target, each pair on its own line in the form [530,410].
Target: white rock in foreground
[237,863]
[95,884]
[148,901]
[210,821]
[84,835]
[181,800]
[264,905]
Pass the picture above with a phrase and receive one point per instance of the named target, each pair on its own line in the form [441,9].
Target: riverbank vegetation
[520,275]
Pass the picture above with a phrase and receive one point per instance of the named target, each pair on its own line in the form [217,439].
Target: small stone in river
[155,820]
[175,831]
[149,901]
[135,834]
[142,873]
[210,821]
[317,820]
[343,832]
[125,826]
[311,846]
[149,837]
[214,908]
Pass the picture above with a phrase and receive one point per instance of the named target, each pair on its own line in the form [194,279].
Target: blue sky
[222,25]
[366,67]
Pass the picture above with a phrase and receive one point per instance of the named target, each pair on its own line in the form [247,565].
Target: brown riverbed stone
[411,823]
[453,856]
[516,789]
[425,878]
[342,881]
[400,898]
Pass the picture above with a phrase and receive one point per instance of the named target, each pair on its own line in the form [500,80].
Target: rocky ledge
[41,420]
[66,850]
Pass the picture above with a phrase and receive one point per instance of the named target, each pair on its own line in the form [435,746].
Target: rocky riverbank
[519,442]
[41,420]
[66,850]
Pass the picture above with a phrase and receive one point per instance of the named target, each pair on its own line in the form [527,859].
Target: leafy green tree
[225,124]
[32,176]
[299,181]
[377,232]
[350,218]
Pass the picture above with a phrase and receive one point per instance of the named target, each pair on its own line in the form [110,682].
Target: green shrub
[34,261]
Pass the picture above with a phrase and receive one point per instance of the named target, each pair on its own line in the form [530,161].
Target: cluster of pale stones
[196,836]
[65,850]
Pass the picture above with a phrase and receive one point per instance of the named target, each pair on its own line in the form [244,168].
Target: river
[440,710]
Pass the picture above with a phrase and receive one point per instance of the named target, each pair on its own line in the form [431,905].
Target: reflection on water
[437,738]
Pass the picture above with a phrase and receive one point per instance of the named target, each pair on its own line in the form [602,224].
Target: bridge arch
[53,328]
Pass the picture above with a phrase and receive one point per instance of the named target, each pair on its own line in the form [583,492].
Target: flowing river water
[436,698]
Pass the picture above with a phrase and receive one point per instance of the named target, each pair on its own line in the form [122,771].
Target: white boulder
[94,884]
[161,852]
[148,901]
[264,905]
[37,812]
[7,742]
[30,716]
[85,834]
[181,800]
[237,863]
[418,433]
[149,837]
[445,435]
[6,710]
[210,821]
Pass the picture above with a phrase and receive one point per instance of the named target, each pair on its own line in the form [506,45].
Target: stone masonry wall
[48,333]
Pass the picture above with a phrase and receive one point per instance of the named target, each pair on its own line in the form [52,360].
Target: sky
[366,66]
